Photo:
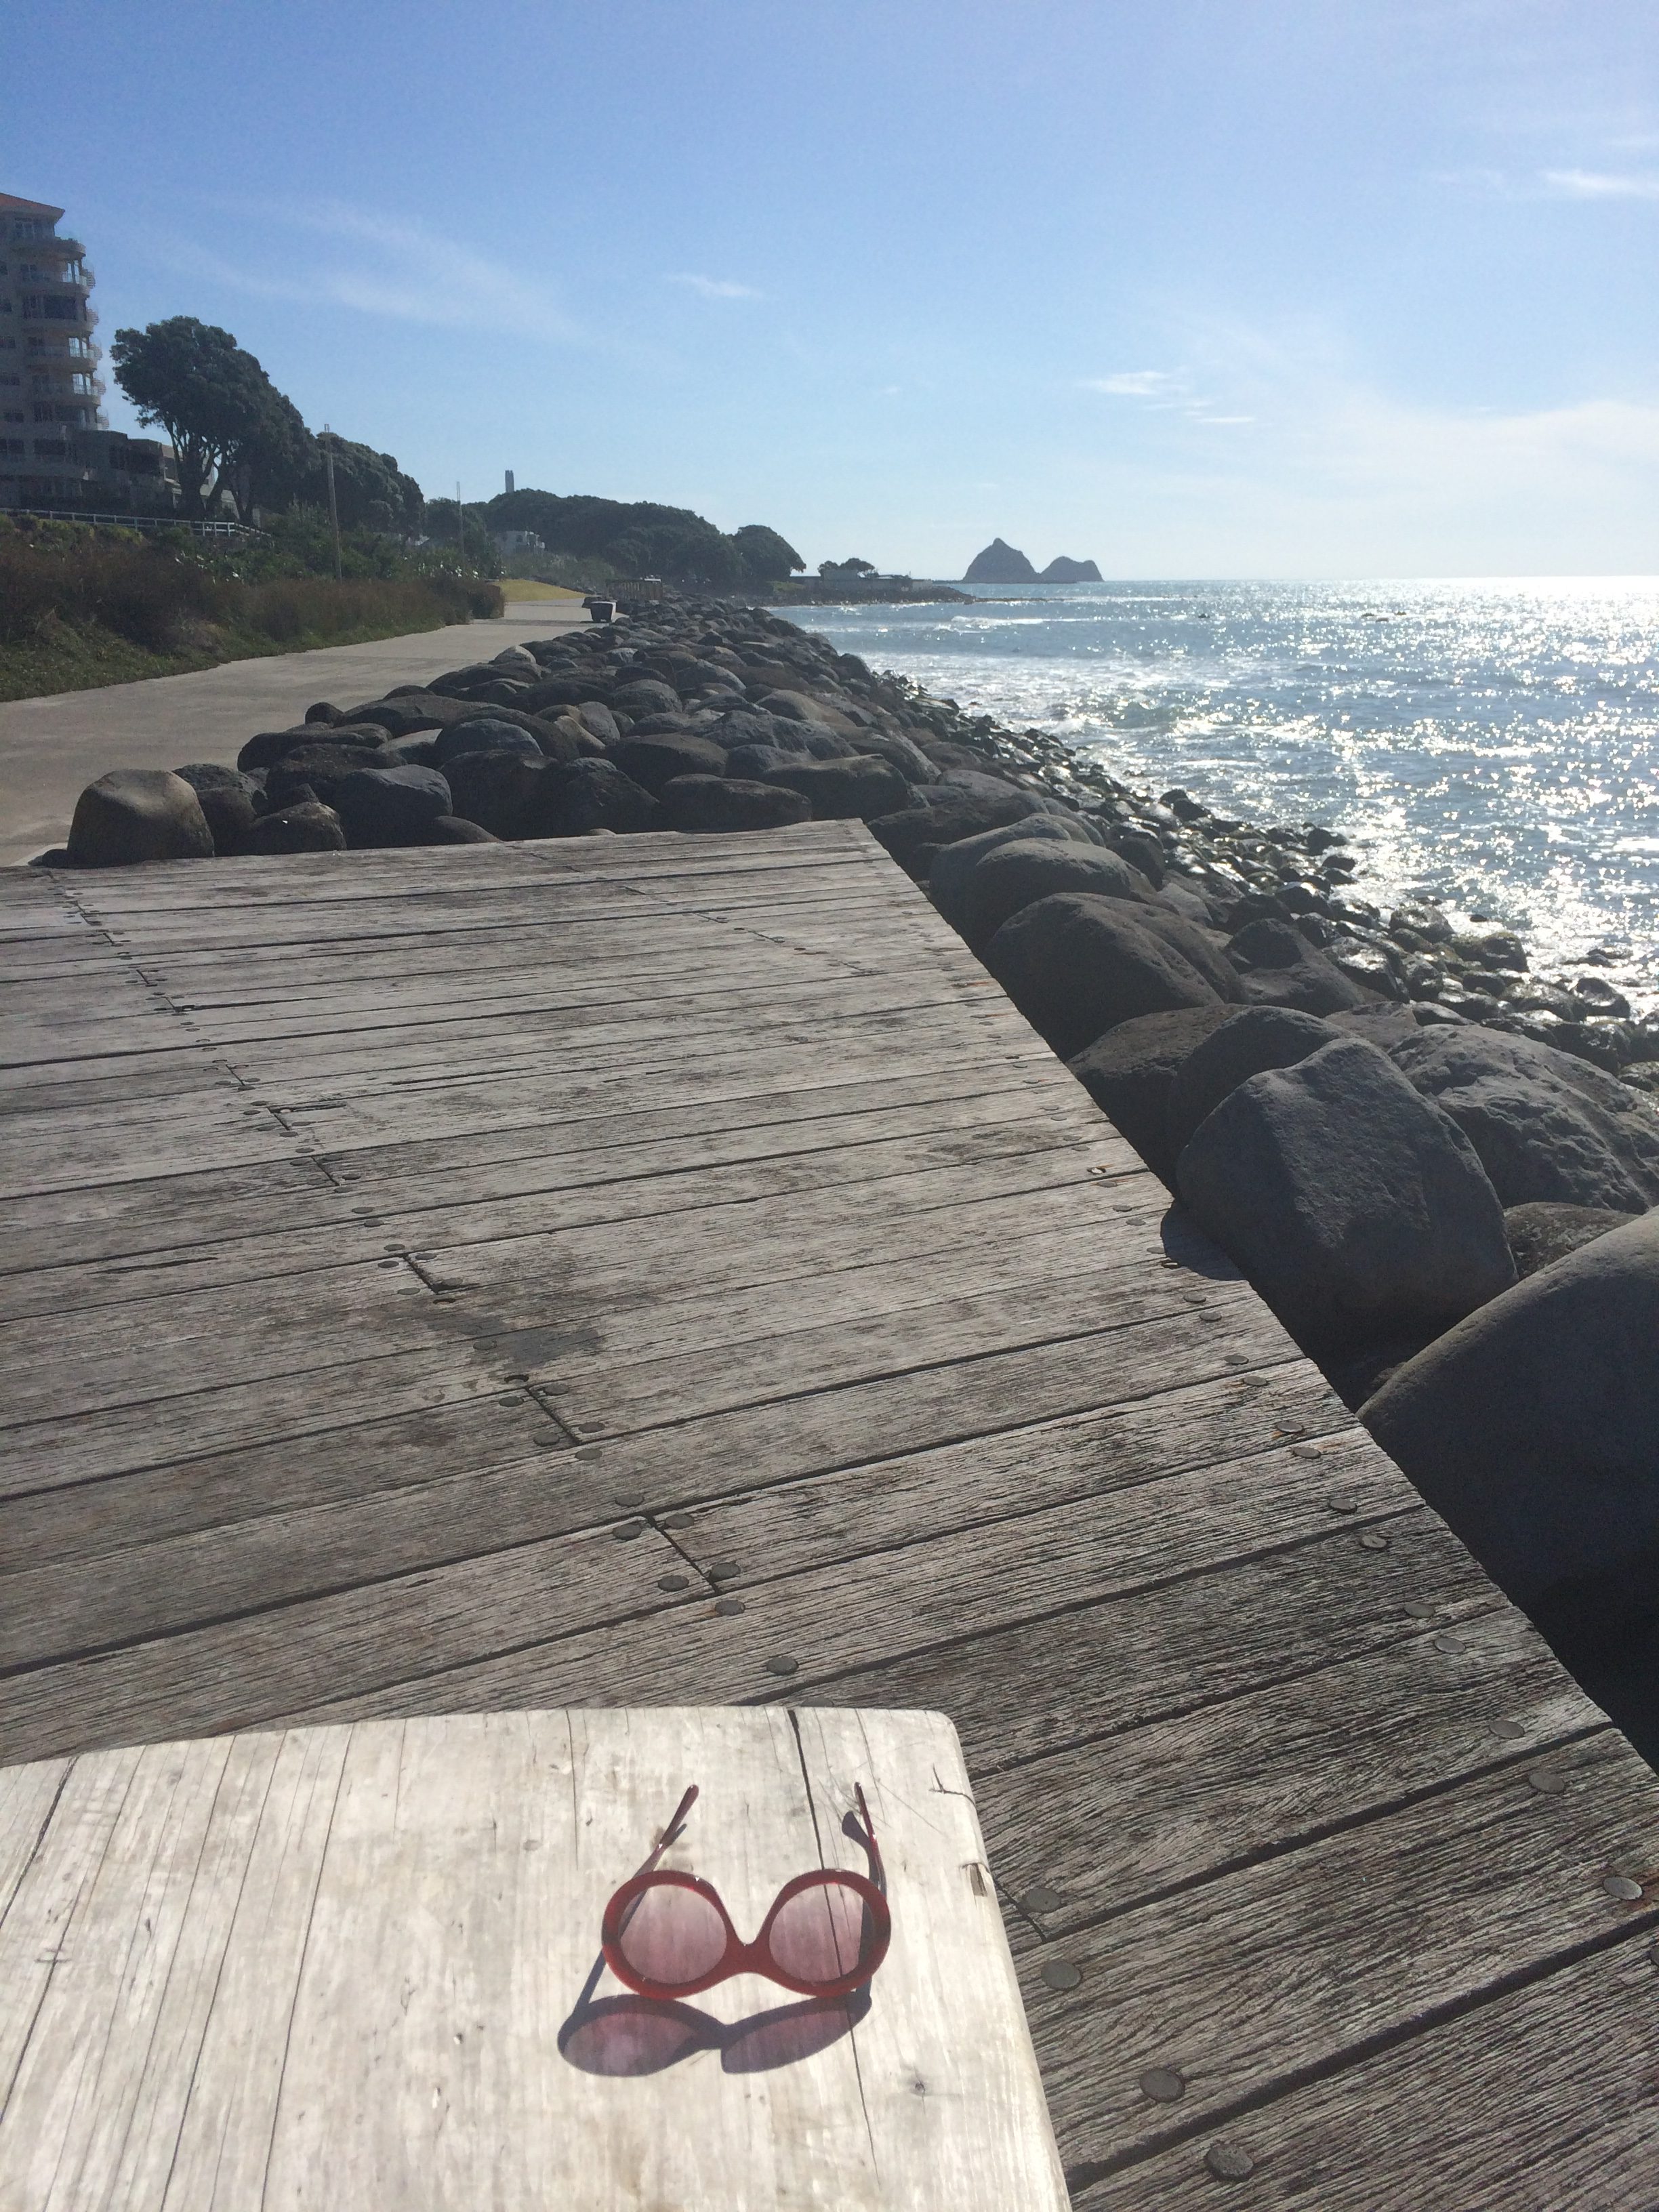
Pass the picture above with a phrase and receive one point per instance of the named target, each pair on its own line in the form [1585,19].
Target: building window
[43,411]
[12,448]
[12,378]
[51,449]
[14,414]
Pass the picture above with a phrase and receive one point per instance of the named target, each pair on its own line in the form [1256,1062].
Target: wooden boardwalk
[668,1271]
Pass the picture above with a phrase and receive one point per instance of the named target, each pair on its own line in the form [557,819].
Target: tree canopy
[230,427]
[640,539]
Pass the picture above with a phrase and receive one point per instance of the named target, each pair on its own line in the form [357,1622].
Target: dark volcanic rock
[225,796]
[1354,1206]
[450,829]
[137,814]
[1541,1234]
[1076,964]
[1129,1074]
[502,792]
[947,814]
[307,827]
[999,563]
[1546,1126]
[390,805]
[656,759]
[645,696]
[1533,1428]
[485,735]
[1246,1044]
[273,745]
[954,865]
[860,789]
[1278,968]
[912,763]
[321,769]
[585,795]
[706,803]
[1022,871]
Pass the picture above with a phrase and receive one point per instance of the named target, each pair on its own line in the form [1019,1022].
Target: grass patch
[82,607]
[528,588]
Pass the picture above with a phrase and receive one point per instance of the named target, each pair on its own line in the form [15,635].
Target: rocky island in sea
[1439,1173]
[1002,563]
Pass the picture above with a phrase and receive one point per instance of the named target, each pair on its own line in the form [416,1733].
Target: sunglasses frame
[739,1957]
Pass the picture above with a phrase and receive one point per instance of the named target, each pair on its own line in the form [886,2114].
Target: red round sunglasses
[669,1936]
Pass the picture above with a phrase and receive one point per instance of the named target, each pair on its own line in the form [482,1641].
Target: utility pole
[333,503]
[460,525]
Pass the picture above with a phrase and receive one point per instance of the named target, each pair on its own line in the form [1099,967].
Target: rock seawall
[1387,1122]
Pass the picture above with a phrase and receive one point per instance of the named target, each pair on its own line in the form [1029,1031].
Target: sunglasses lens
[824,1933]
[673,1936]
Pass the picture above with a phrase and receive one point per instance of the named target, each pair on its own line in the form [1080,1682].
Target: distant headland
[1002,563]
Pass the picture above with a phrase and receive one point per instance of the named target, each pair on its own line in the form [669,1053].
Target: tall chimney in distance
[509,479]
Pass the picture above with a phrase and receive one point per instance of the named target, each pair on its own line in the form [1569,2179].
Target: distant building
[56,448]
[509,542]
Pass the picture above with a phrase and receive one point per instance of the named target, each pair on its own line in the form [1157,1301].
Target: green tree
[215,402]
[372,492]
[845,572]
[765,556]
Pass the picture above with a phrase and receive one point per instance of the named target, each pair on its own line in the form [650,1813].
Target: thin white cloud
[398,272]
[1599,184]
[1222,419]
[1136,383]
[714,287]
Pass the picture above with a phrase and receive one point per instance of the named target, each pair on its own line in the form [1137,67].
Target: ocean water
[1493,743]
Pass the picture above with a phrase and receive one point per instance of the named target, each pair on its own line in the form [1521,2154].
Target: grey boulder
[657,758]
[1247,1043]
[1076,964]
[1546,1126]
[1129,1073]
[485,734]
[390,805]
[137,814]
[226,798]
[1017,874]
[859,789]
[710,803]
[1534,1429]
[308,826]
[1280,967]
[953,864]
[584,795]
[1355,1206]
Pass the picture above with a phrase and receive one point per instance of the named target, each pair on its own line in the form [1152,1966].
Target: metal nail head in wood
[1229,2161]
[1164,2084]
[1062,1974]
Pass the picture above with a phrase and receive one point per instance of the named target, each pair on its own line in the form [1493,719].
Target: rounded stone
[1163,2084]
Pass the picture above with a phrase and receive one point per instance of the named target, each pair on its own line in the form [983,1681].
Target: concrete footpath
[52,749]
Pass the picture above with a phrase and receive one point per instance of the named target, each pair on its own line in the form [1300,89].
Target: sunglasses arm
[670,1834]
[870,1837]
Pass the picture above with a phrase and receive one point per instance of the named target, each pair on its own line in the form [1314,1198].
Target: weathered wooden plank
[92,1593]
[245,1671]
[1184,1799]
[545,1195]
[893,1603]
[1236,1986]
[622,1244]
[1539,2100]
[1092,1672]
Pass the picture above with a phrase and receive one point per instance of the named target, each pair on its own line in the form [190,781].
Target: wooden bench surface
[667,1271]
[359,1965]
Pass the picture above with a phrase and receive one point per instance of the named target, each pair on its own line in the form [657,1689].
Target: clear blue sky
[1191,287]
